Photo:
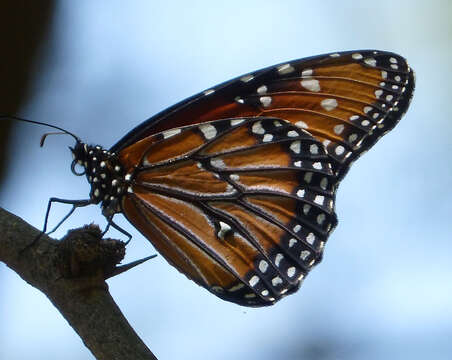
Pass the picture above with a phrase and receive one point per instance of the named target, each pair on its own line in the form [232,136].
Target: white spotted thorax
[105,175]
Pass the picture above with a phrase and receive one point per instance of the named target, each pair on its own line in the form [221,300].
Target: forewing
[346,100]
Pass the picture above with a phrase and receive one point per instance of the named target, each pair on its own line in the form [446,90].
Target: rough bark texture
[84,301]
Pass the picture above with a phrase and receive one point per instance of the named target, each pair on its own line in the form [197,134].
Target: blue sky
[383,288]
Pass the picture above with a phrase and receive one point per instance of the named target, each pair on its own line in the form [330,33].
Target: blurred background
[99,68]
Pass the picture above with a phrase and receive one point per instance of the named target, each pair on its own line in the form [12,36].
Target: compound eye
[75,164]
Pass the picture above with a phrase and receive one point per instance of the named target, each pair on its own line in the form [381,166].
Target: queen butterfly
[235,186]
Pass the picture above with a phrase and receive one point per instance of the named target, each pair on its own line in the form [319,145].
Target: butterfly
[235,186]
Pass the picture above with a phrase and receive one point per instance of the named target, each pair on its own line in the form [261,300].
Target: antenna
[40,123]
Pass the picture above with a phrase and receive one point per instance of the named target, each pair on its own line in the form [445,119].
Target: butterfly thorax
[104,173]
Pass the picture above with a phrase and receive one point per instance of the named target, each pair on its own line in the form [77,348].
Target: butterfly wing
[235,186]
[241,206]
[345,100]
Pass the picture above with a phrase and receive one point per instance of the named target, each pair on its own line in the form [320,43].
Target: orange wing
[345,100]
[235,186]
[241,206]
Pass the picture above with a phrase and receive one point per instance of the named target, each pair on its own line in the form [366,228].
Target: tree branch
[83,301]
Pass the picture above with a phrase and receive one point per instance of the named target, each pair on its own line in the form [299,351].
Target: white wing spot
[366,109]
[357,56]
[291,271]
[311,85]
[352,137]
[324,183]
[209,92]
[285,69]
[265,100]
[224,229]
[319,199]
[320,219]
[339,150]
[234,177]
[263,266]
[278,259]
[389,97]
[365,122]
[264,292]
[393,60]
[218,163]
[329,104]
[338,129]
[267,138]
[378,93]
[276,281]
[292,242]
[335,55]
[304,254]
[371,62]
[247,78]
[310,238]
[257,128]
[262,89]
[236,121]
[308,177]
[297,163]
[292,133]
[254,280]
[314,149]
[354,117]
[317,165]
[208,130]
[277,123]
[297,228]
[236,287]
[307,72]
[301,124]
[384,74]
[168,133]
[306,208]
[300,193]
[296,146]
[217,289]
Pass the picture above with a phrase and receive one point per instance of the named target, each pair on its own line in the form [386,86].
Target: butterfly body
[236,186]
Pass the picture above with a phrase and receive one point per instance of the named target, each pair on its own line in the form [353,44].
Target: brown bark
[85,302]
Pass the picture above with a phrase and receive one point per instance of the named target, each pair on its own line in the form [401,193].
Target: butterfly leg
[75,204]
[117,227]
